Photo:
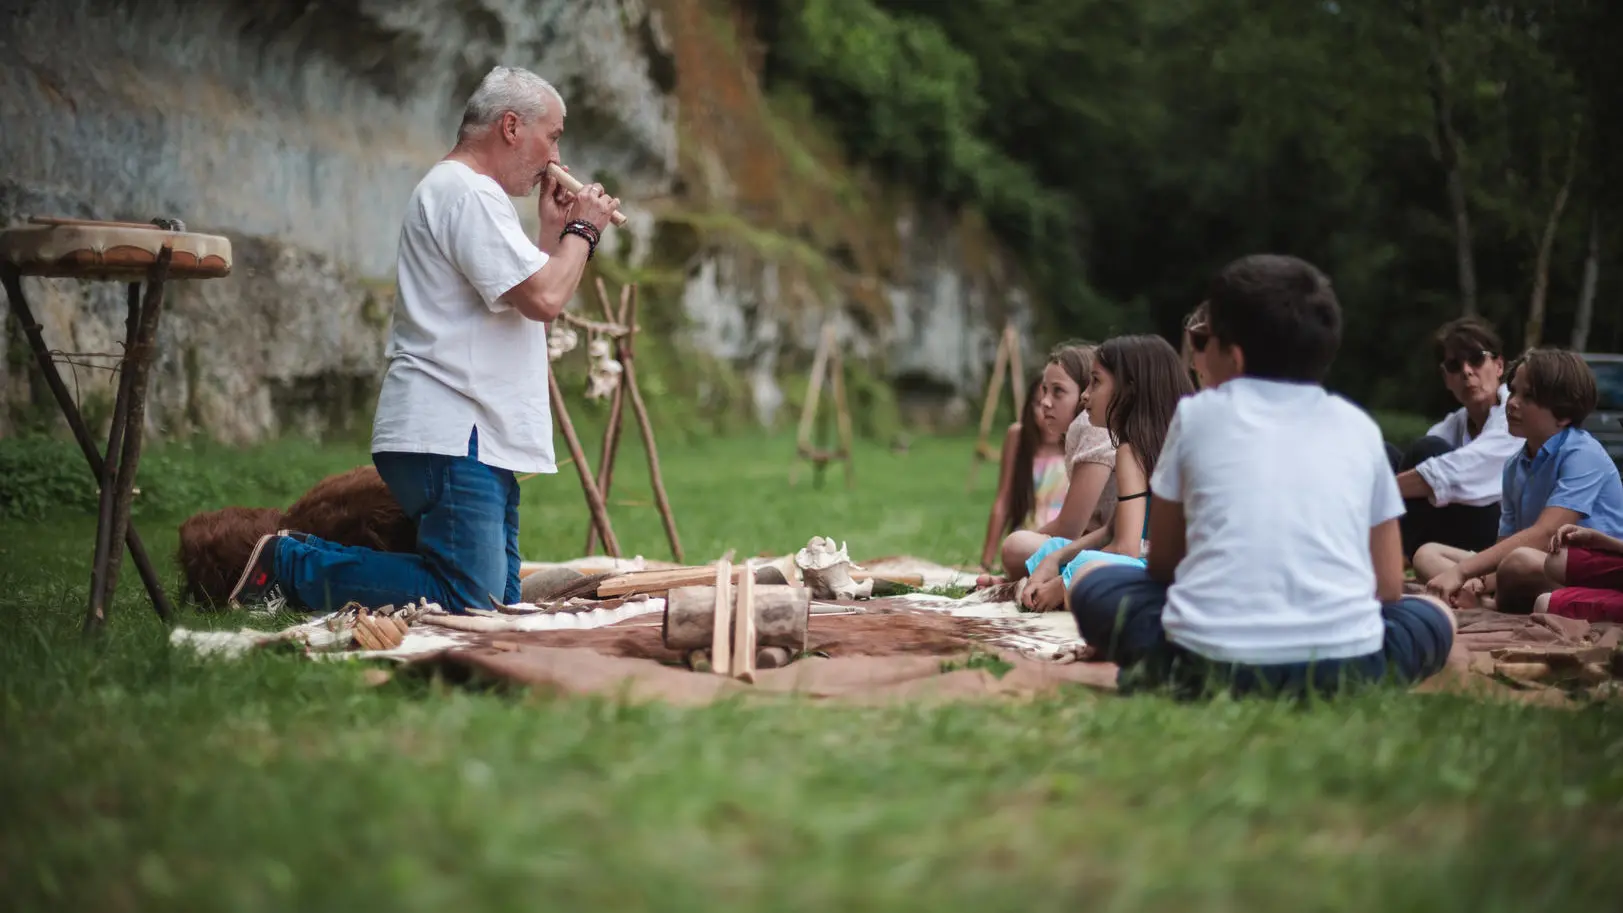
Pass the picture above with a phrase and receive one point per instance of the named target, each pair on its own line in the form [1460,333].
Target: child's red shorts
[1594,590]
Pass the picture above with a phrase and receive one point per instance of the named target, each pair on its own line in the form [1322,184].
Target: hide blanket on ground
[910,648]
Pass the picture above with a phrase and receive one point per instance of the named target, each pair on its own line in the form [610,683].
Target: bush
[42,474]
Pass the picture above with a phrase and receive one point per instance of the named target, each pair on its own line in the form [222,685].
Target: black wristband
[575,228]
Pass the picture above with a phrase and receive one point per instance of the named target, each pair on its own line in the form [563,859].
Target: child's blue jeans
[1118,612]
[467,541]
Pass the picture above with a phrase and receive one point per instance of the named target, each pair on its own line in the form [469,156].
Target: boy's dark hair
[1463,337]
[1560,381]
[1149,380]
[1282,314]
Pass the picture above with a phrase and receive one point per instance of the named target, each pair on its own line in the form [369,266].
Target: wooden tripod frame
[1007,360]
[827,362]
[623,327]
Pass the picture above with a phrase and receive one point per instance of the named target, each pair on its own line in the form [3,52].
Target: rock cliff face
[299,129]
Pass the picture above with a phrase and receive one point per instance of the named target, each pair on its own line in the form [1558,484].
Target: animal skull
[827,570]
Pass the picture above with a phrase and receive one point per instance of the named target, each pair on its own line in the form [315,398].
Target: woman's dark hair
[1077,360]
[1149,380]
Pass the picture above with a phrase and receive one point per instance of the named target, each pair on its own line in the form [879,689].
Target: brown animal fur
[214,547]
[353,508]
[350,508]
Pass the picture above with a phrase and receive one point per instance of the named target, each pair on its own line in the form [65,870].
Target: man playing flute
[464,404]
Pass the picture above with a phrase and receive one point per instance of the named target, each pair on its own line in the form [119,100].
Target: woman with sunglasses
[1451,478]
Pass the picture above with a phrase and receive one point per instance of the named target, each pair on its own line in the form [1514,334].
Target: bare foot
[988,580]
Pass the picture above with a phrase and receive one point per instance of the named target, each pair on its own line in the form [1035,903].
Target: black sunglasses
[1475,360]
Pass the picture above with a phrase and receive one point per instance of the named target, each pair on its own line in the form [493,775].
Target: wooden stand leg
[842,417]
[103,580]
[140,366]
[611,434]
[594,498]
[629,376]
[808,411]
[87,446]
[1017,372]
[994,387]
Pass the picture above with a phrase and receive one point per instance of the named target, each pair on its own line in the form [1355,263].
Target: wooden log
[772,658]
[781,617]
[744,627]
[721,619]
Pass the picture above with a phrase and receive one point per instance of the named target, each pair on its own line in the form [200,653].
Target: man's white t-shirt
[1280,484]
[1473,472]
[459,359]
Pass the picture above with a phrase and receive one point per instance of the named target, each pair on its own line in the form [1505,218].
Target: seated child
[1560,476]
[1276,564]
[1587,565]
[1027,499]
[1450,478]
[1089,457]
[1135,386]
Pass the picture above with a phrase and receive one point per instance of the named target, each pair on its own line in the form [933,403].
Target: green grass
[134,777]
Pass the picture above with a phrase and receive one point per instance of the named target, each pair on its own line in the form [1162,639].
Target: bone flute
[573,185]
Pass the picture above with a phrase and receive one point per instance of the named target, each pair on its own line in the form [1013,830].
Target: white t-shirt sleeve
[484,239]
[1167,481]
[1472,473]
[1385,501]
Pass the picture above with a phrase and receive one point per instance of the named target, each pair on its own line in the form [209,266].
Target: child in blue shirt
[1561,476]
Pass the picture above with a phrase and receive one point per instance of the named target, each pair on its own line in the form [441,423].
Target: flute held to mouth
[573,185]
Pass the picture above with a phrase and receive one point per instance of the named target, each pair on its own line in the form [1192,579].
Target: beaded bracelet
[586,231]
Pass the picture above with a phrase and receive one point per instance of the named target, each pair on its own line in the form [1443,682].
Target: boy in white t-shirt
[1277,563]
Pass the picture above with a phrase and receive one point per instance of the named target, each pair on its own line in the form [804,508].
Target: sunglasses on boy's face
[1475,360]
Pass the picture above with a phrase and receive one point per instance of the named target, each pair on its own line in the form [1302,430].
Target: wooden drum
[83,249]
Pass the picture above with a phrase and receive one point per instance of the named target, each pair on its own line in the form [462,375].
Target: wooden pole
[611,434]
[744,625]
[594,498]
[721,619]
[629,377]
[814,389]
[1008,350]
[842,417]
[1017,373]
[100,585]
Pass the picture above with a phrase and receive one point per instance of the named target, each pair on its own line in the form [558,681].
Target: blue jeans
[467,541]
[1118,611]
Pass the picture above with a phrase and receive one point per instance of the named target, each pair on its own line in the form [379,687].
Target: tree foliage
[1129,148]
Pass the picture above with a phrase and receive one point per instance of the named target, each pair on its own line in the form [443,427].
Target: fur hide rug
[350,508]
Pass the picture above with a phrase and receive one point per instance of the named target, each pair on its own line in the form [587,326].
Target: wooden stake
[842,418]
[1007,360]
[594,498]
[744,626]
[629,377]
[721,634]
[611,433]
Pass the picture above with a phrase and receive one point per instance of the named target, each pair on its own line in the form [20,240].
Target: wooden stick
[629,375]
[814,387]
[842,418]
[573,185]
[1017,374]
[100,585]
[139,359]
[657,581]
[744,626]
[721,635]
[594,498]
[611,434]
[994,388]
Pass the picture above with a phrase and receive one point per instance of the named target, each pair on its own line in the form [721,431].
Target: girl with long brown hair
[1133,389]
